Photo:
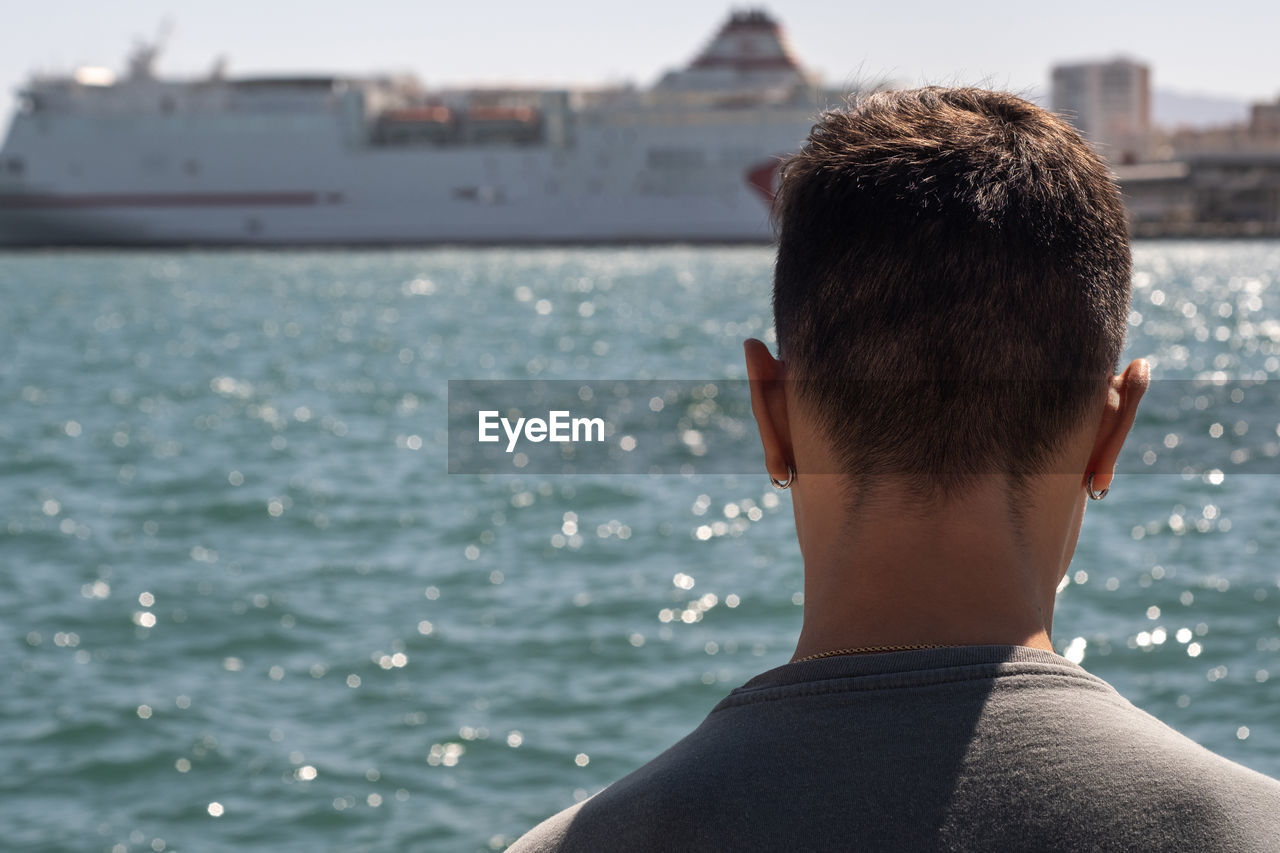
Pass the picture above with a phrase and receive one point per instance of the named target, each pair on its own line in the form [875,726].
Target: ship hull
[197,181]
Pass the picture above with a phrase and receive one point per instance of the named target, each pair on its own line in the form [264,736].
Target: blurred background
[244,604]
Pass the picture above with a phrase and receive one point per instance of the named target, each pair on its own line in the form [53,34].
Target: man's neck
[961,574]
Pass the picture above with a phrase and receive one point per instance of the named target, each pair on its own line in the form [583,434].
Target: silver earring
[784,484]
[1088,486]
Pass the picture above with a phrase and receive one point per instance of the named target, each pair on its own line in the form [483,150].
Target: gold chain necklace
[868,649]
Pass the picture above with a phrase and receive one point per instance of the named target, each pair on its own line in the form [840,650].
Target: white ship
[91,160]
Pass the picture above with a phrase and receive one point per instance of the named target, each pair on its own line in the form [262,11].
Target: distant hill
[1180,109]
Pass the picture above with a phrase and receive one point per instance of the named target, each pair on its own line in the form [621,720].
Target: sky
[1226,48]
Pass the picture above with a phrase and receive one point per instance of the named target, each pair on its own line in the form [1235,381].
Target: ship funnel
[750,40]
[749,51]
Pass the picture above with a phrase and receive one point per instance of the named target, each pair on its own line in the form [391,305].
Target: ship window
[15,166]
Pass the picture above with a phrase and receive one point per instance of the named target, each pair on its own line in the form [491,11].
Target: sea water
[244,606]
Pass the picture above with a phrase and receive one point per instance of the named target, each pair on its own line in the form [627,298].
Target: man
[950,298]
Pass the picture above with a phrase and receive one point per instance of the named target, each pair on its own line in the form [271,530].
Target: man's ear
[1117,418]
[769,405]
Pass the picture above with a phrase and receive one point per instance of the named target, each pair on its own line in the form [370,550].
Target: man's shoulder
[548,836]
[663,805]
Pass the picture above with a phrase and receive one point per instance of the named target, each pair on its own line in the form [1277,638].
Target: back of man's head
[952,283]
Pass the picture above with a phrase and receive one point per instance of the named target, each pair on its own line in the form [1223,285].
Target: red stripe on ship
[763,178]
[282,199]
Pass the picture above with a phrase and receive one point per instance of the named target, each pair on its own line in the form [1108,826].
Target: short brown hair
[962,241]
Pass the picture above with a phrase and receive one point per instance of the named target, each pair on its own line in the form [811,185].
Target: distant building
[1260,135]
[1264,120]
[1108,102]
[1218,181]
[1227,194]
